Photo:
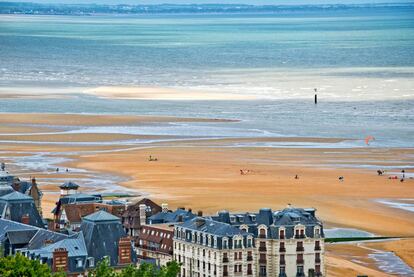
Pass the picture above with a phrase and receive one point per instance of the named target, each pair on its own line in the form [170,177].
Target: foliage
[144,270]
[20,266]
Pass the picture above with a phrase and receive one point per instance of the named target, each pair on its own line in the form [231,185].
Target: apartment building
[206,247]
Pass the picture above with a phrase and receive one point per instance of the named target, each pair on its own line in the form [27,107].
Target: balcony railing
[282,262]
[317,260]
[249,272]
[262,248]
[300,249]
[225,273]
[225,260]
[317,248]
[249,258]
[282,249]
[262,236]
[282,237]
[299,261]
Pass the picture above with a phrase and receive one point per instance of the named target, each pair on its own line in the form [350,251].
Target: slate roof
[101,217]
[178,215]
[5,189]
[69,185]
[102,232]
[75,245]
[79,197]
[287,218]
[16,196]
[33,237]
[17,205]
[213,227]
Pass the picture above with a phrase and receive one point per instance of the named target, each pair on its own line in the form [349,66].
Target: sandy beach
[205,175]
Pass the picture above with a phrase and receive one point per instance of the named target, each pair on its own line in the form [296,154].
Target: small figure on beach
[341,178]
[151,159]
[67,169]
[403,173]
[380,172]
[296,176]
[402,180]
[3,166]
[245,171]
[57,169]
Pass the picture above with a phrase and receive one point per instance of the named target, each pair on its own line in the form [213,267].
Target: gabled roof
[20,233]
[16,196]
[75,245]
[69,185]
[21,236]
[101,216]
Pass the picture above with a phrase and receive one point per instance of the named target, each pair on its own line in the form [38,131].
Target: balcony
[317,260]
[282,250]
[299,261]
[225,273]
[282,237]
[300,249]
[282,262]
[262,261]
[225,260]
[299,236]
[262,248]
[262,236]
[249,258]
[317,248]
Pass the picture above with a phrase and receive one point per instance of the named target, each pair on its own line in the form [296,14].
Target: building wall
[191,254]
[202,261]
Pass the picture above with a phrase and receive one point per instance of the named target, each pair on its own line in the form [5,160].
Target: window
[262,270]
[91,262]
[282,234]
[79,263]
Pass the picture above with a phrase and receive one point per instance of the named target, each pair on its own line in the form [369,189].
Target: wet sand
[159,93]
[205,175]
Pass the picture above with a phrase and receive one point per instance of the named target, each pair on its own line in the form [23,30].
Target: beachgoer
[241,172]
[341,178]
[57,169]
[67,170]
[403,173]
[3,166]
[379,172]
[296,177]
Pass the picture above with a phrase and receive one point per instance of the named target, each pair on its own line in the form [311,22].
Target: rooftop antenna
[316,95]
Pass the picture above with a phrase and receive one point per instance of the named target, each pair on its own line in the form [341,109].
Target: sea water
[361,62]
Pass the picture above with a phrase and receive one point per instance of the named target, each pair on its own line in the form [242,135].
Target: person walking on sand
[341,178]
[296,176]
[403,173]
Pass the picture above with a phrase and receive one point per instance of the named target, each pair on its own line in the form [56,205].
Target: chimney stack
[124,251]
[142,214]
[60,260]
[164,207]
[26,219]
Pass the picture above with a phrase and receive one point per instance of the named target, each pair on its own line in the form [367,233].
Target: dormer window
[232,219]
[253,217]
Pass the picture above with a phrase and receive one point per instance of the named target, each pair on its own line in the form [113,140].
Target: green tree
[20,266]
[103,269]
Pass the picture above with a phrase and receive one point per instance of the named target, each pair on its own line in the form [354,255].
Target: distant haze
[252,2]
